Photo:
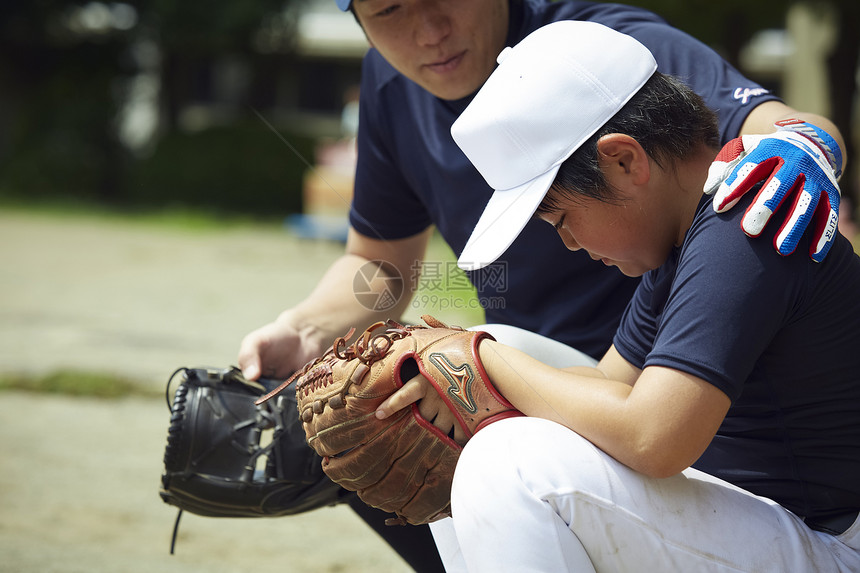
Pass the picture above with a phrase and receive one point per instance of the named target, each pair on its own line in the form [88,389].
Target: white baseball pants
[531,495]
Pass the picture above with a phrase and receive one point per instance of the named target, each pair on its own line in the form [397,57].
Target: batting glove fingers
[791,168]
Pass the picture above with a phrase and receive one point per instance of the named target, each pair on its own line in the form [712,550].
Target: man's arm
[301,333]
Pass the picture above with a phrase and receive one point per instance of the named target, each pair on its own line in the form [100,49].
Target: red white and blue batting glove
[798,161]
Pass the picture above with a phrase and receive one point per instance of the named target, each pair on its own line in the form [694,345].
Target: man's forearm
[373,281]
[334,306]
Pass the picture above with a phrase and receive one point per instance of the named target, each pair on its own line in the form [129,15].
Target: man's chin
[451,89]
[450,93]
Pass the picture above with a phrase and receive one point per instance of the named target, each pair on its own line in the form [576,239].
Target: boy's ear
[621,156]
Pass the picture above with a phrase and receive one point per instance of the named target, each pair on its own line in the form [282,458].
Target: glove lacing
[368,348]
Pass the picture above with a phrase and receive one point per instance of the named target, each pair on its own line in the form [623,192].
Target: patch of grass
[76,383]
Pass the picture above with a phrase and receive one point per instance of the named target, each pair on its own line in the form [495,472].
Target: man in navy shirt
[765,409]
[427,61]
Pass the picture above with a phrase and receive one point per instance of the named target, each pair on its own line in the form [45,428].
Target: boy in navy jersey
[721,430]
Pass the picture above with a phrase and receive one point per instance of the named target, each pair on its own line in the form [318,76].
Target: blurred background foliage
[222,105]
[150,103]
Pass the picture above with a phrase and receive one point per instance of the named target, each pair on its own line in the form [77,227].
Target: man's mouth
[447,64]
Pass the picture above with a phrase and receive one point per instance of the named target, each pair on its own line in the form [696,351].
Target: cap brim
[503,219]
[343,4]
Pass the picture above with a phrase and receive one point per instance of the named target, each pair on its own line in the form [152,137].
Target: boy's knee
[523,452]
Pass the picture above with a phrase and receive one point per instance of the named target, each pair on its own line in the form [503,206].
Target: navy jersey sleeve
[712,310]
[385,205]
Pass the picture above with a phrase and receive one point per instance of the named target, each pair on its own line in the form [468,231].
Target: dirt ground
[79,479]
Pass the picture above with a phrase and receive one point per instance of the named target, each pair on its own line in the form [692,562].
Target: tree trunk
[842,70]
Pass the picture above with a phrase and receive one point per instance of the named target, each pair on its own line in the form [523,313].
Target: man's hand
[276,350]
[799,161]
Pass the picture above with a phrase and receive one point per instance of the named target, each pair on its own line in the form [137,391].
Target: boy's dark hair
[668,119]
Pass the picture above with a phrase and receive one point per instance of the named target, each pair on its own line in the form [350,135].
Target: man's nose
[432,24]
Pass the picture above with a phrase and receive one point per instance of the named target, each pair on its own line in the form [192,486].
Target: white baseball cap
[549,94]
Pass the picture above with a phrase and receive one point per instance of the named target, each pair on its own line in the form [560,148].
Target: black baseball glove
[217,462]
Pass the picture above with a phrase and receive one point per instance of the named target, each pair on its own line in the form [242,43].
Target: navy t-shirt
[411,175]
[780,336]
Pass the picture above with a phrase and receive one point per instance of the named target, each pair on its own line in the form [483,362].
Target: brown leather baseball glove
[402,464]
